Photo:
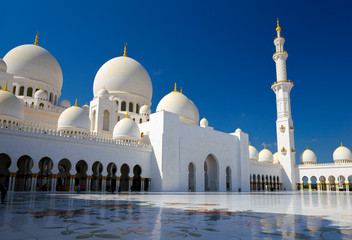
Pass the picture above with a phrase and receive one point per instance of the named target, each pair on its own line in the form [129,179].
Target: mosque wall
[176,145]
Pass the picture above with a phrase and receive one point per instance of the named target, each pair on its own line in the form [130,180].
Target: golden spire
[125,50]
[36,39]
[264,146]
[175,88]
[76,103]
[250,143]
[181,89]
[307,147]
[5,88]
[341,144]
[127,115]
[278,28]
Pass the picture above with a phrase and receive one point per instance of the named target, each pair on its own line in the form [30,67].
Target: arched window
[106,120]
[21,91]
[29,92]
[137,108]
[140,120]
[93,120]
[134,119]
[14,89]
[41,105]
[130,107]
[51,97]
[123,106]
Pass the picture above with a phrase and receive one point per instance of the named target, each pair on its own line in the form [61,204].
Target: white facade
[117,144]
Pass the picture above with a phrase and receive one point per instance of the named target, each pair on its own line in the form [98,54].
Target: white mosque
[117,144]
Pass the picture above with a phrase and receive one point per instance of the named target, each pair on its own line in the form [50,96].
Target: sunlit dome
[276,158]
[342,154]
[266,156]
[65,103]
[126,129]
[178,103]
[103,93]
[41,94]
[11,107]
[85,107]
[123,75]
[308,157]
[36,63]
[74,119]
[145,110]
[204,122]
[253,153]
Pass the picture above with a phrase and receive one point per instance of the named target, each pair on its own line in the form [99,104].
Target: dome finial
[175,87]
[181,89]
[341,144]
[36,39]
[76,103]
[278,28]
[264,146]
[5,88]
[307,147]
[125,50]
[250,143]
[127,115]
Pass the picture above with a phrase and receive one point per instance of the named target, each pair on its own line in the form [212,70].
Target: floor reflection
[167,216]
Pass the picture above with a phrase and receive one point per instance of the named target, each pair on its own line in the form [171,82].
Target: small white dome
[145,110]
[11,107]
[276,158]
[86,108]
[342,154]
[40,94]
[74,119]
[123,75]
[126,129]
[266,156]
[65,103]
[253,153]
[103,93]
[308,156]
[238,130]
[178,103]
[3,66]
[204,122]
[34,62]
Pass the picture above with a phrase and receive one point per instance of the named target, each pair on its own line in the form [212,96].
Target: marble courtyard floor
[280,215]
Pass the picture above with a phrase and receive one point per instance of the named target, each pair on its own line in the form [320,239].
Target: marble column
[89,183]
[310,186]
[103,189]
[347,186]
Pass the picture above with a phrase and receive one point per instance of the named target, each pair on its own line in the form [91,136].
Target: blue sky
[220,52]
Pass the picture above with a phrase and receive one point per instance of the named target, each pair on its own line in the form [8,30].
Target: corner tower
[284,124]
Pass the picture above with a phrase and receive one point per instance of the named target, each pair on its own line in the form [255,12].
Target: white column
[310,185]
[103,188]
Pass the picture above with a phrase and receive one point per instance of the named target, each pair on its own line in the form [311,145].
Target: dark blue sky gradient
[219,51]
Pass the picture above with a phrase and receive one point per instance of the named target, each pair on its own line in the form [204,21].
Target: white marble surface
[288,215]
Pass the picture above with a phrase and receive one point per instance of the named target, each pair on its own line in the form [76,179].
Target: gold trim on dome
[283,150]
[279,52]
[36,39]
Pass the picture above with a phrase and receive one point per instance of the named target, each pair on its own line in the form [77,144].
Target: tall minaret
[284,125]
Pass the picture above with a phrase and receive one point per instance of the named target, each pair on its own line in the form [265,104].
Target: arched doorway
[81,175]
[313,183]
[191,179]
[228,179]
[210,174]
[23,176]
[322,181]
[44,177]
[97,179]
[136,182]
[125,178]
[111,178]
[341,183]
[63,177]
[332,183]
[5,162]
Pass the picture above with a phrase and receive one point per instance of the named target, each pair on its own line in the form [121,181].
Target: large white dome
[253,153]
[342,154]
[74,119]
[126,129]
[123,75]
[308,157]
[266,156]
[178,103]
[34,62]
[11,107]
